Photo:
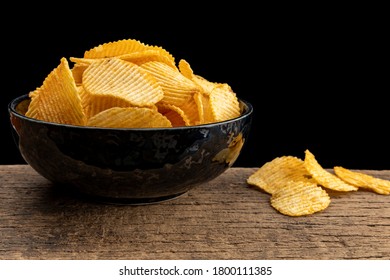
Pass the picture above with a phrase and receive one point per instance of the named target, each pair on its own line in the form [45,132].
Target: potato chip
[77,72]
[204,108]
[185,69]
[116,48]
[175,115]
[57,100]
[299,198]
[148,56]
[224,103]
[177,88]
[82,61]
[124,47]
[124,80]
[206,85]
[131,117]
[190,109]
[361,180]
[274,174]
[94,104]
[324,177]
[130,74]
[137,57]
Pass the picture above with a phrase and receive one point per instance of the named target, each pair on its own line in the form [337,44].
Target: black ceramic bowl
[132,166]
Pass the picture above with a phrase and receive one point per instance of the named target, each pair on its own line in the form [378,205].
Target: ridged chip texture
[94,104]
[273,175]
[57,100]
[298,198]
[131,117]
[185,69]
[224,103]
[177,88]
[361,180]
[175,115]
[123,79]
[324,177]
[128,74]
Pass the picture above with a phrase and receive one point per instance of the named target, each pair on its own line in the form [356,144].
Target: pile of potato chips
[129,84]
[298,187]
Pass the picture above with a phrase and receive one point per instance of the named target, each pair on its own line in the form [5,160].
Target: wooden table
[223,219]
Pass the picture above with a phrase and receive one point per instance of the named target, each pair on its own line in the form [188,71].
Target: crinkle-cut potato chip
[273,175]
[82,61]
[123,79]
[149,55]
[123,47]
[190,109]
[126,74]
[131,117]
[185,69]
[57,100]
[361,180]
[324,177]
[175,115]
[77,72]
[177,88]
[138,57]
[206,85]
[224,103]
[94,104]
[116,48]
[299,198]
[204,108]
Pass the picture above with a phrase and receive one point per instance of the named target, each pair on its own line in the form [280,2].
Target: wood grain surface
[222,219]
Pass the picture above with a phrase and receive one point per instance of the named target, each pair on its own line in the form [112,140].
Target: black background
[314,75]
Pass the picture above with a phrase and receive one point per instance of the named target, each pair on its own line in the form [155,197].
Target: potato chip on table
[324,177]
[298,198]
[273,175]
[362,180]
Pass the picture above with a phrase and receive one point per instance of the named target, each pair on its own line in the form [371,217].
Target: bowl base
[132,201]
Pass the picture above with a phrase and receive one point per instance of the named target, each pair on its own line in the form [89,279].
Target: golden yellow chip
[224,103]
[126,74]
[190,109]
[175,115]
[206,85]
[177,88]
[149,55]
[124,47]
[116,48]
[131,117]
[362,180]
[57,100]
[94,104]
[273,175]
[204,108]
[82,61]
[298,198]
[324,177]
[186,69]
[124,80]
[77,72]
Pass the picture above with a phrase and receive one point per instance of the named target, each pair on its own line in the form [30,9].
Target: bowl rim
[14,102]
